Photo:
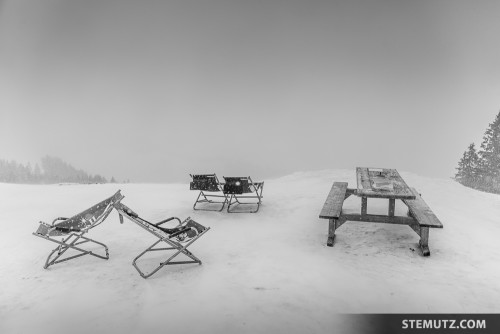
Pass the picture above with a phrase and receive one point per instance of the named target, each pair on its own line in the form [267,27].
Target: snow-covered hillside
[269,272]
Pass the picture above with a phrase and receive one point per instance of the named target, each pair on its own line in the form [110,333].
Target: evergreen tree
[481,169]
[467,167]
[29,173]
[37,174]
[489,163]
[54,170]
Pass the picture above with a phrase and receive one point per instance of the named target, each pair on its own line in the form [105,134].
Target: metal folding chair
[72,231]
[179,238]
[207,184]
[238,188]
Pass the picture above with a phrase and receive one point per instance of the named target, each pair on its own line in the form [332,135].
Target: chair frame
[163,236]
[73,236]
[203,192]
[234,189]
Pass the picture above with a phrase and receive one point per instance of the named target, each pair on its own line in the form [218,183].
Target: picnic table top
[382,183]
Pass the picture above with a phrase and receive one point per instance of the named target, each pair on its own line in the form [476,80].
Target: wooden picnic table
[385,184]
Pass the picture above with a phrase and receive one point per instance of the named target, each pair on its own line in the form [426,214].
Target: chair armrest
[67,229]
[258,185]
[58,218]
[167,220]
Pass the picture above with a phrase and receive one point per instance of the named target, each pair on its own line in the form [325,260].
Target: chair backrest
[125,211]
[205,182]
[237,185]
[92,216]
[190,227]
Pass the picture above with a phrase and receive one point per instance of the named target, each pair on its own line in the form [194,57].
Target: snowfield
[268,272]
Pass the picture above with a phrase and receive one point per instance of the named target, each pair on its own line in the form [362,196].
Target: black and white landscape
[296,93]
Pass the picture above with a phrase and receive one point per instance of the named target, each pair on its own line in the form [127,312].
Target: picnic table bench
[380,183]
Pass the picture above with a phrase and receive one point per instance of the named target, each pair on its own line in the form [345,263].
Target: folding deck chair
[237,188]
[207,183]
[72,231]
[179,237]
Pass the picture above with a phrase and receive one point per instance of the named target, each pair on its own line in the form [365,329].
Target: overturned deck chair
[210,191]
[238,188]
[72,231]
[179,237]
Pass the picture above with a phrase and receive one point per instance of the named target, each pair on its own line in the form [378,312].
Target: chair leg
[104,257]
[61,249]
[259,196]
[134,263]
[64,246]
[175,246]
[237,202]
[206,200]
[230,203]
[196,202]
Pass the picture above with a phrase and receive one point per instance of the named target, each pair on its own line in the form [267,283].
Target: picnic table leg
[364,205]
[392,205]
[331,232]
[424,241]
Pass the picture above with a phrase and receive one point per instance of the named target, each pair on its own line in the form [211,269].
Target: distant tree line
[480,169]
[53,170]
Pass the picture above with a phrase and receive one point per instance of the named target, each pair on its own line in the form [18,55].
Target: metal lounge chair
[72,231]
[210,188]
[237,188]
[179,237]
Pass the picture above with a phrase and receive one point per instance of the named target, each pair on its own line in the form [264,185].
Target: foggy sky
[154,90]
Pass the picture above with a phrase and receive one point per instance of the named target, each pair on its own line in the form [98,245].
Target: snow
[265,272]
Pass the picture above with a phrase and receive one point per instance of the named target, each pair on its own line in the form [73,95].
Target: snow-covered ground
[269,272]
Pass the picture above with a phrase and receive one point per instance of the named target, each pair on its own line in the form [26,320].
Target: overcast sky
[154,90]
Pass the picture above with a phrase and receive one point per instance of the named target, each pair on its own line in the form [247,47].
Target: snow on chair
[72,231]
[179,237]
[207,184]
[237,188]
